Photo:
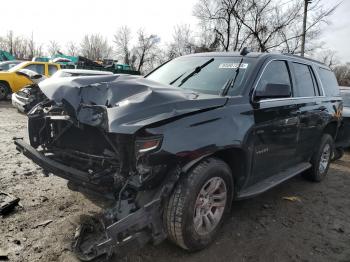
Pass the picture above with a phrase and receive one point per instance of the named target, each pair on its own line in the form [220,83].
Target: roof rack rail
[303,57]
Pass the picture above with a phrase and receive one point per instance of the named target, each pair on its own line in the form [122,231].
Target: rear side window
[52,69]
[329,82]
[276,72]
[39,68]
[305,83]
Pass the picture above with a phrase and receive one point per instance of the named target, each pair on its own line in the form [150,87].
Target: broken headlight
[145,145]
[92,115]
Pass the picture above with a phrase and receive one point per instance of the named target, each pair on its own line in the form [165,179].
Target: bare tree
[95,47]
[20,47]
[182,42]
[31,47]
[3,44]
[72,49]
[342,72]
[145,50]
[53,47]
[225,27]
[9,41]
[266,20]
[122,39]
[264,25]
[328,57]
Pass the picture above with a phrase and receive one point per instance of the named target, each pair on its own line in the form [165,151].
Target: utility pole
[306,3]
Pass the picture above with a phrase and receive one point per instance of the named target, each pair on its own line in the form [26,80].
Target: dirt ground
[266,228]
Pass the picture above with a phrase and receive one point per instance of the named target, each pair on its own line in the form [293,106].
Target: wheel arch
[332,129]
[7,84]
[235,158]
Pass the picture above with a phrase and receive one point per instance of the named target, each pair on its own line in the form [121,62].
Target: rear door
[276,126]
[311,107]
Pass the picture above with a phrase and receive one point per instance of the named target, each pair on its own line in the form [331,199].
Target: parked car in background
[79,72]
[4,66]
[23,99]
[11,81]
[172,150]
[343,138]
[31,95]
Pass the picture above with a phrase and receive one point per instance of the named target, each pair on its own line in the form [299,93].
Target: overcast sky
[69,20]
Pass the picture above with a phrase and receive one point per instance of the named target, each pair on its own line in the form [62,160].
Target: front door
[276,130]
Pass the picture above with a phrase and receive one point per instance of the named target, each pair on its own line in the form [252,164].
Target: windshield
[210,79]
[15,68]
[346,97]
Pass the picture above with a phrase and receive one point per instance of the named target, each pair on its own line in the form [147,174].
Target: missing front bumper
[81,179]
[125,227]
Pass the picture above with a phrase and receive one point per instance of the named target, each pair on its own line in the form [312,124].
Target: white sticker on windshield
[233,65]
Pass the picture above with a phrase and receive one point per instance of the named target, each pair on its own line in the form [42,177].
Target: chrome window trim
[289,98]
[262,72]
[314,69]
[313,66]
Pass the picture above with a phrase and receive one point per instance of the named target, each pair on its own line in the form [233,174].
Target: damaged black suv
[172,150]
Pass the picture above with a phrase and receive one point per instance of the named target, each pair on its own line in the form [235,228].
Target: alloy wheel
[325,158]
[210,205]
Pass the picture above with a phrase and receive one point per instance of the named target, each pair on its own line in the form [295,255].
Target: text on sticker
[233,65]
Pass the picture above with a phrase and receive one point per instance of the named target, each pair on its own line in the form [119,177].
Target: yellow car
[11,81]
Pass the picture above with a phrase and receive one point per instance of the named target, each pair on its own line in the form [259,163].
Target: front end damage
[92,131]
[100,164]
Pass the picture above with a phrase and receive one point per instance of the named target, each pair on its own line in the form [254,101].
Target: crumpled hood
[129,102]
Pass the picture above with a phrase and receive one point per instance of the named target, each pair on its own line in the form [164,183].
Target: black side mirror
[274,91]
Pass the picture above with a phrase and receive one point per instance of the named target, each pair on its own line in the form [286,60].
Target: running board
[272,181]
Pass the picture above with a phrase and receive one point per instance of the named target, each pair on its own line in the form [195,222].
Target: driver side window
[276,72]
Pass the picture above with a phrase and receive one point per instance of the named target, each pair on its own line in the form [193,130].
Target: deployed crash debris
[7,203]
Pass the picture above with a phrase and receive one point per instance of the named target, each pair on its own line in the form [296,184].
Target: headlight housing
[146,145]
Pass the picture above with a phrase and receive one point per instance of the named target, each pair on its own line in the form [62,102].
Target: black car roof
[227,54]
[260,55]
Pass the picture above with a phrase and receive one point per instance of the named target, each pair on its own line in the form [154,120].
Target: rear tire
[321,160]
[4,91]
[198,205]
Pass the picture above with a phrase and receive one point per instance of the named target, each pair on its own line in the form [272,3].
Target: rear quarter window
[305,86]
[329,82]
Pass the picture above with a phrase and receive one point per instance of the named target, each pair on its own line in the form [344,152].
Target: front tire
[321,160]
[198,205]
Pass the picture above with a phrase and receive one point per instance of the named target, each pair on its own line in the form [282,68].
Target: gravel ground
[266,228]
